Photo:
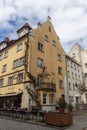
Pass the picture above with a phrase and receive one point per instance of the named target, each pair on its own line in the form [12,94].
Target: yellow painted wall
[49,55]
[12,89]
[13,54]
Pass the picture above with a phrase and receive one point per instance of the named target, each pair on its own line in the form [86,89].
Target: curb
[34,122]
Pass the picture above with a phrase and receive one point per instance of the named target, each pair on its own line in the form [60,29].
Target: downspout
[27,69]
[67,80]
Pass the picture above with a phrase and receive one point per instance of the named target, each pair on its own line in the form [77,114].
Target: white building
[74,81]
[80,54]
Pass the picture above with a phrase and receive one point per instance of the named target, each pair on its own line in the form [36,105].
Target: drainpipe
[67,80]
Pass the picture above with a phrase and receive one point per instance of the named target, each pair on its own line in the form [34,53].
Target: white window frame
[10,80]
[46,38]
[53,42]
[4,67]
[51,98]
[61,84]
[44,98]
[59,57]
[40,62]
[20,78]
[40,47]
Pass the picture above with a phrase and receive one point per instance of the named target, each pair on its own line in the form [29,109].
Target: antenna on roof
[48,18]
[39,23]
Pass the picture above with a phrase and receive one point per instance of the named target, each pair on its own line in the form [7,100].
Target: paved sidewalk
[8,124]
[79,122]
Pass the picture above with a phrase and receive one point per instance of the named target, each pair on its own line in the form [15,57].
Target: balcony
[47,86]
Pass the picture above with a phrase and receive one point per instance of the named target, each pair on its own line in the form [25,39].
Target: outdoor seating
[36,115]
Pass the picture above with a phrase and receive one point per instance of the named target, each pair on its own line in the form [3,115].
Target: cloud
[69,18]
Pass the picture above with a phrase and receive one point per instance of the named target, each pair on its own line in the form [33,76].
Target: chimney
[48,18]
[6,39]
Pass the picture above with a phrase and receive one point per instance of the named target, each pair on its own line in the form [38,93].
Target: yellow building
[32,68]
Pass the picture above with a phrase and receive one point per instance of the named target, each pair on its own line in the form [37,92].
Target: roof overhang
[10,94]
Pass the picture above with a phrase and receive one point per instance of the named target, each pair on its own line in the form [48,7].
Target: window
[74,55]
[60,84]
[70,86]
[76,76]
[59,70]
[78,68]
[85,65]
[4,68]
[79,77]
[86,97]
[86,75]
[51,99]
[71,64]
[0,56]
[10,80]
[72,75]
[75,66]
[18,62]
[19,47]
[20,78]
[40,80]
[44,98]
[40,62]
[6,54]
[68,74]
[40,46]
[1,82]
[71,98]
[59,57]
[68,62]
[46,38]
[49,29]
[73,87]
[54,43]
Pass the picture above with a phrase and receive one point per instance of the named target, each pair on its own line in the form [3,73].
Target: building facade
[32,68]
[74,81]
[80,54]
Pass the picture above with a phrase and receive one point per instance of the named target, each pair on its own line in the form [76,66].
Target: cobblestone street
[79,122]
[6,124]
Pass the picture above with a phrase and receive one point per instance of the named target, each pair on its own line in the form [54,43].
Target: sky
[69,18]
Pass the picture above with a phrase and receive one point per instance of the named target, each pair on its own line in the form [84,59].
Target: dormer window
[23,30]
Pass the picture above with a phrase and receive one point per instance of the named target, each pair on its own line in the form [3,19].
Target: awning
[10,94]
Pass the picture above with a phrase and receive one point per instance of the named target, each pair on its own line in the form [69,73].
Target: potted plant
[70,107]
[62,104]
[59,118]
